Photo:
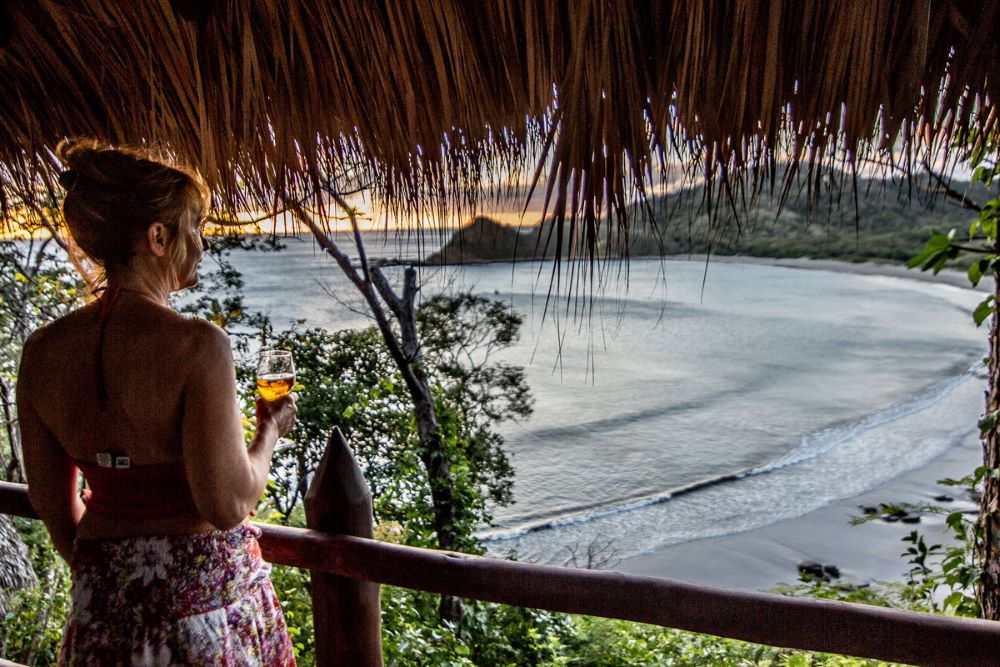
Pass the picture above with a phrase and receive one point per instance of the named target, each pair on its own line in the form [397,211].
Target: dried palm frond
[436,102]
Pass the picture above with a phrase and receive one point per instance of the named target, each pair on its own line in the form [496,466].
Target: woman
[143,401]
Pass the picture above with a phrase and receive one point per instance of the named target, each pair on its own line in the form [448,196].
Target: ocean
[676,401]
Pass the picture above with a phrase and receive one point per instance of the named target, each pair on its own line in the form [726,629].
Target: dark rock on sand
[819,571]
[811,568]
[895,516]
[943,498]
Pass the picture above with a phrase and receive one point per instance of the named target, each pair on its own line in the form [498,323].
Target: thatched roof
[425,100]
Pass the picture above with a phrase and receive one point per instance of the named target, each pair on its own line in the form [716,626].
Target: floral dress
[203,599]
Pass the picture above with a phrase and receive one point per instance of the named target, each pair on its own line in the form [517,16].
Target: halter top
[119,489]
[159,491]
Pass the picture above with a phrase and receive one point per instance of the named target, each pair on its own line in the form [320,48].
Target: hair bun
[69,179]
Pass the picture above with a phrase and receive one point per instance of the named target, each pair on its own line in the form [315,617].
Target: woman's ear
[156,237]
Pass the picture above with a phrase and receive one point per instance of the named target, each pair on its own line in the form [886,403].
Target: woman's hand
[280,412]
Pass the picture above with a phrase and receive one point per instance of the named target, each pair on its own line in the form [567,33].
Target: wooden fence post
[347,615]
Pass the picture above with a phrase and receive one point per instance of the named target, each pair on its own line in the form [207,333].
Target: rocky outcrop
[486,240]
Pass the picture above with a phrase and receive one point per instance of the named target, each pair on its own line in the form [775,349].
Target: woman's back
[147,353]
[142,362]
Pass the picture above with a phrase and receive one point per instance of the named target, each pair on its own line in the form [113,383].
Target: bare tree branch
[404,349]
[388,294]
[952,193]
[365,288]
[13,467]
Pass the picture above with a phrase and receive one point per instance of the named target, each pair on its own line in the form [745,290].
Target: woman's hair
[113,195]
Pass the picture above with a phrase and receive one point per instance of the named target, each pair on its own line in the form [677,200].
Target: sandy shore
[947,276]
[762,558]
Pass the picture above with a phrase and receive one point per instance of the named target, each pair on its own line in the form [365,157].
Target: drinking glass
[275,378]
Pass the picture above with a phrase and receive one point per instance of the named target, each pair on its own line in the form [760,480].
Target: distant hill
[890,226]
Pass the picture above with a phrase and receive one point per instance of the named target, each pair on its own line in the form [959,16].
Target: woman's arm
[53,479]
[227,479]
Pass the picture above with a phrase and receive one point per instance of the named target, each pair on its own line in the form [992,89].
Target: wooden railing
[347,567]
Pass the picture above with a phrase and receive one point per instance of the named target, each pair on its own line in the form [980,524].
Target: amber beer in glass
[273,386]
[275,378]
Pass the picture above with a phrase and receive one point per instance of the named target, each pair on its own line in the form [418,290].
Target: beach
[945,277]
[761,558]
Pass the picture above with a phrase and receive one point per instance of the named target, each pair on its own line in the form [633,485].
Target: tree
[36,287]
[352,381]
[984,241]
[405,349]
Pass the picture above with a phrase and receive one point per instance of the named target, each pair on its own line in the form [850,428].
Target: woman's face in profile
[190,256]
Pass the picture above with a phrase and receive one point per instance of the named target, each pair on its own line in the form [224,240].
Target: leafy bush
[32,629]
[611,643]
[352,382]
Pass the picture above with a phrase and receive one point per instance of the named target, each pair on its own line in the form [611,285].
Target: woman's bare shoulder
[54,347]
[181,338]
[204,336]
[58,330]
[73,332]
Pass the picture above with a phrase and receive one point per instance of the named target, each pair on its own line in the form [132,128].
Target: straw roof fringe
[427,100]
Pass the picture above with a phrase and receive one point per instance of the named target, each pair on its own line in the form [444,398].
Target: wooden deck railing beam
[818,625]
[14,500]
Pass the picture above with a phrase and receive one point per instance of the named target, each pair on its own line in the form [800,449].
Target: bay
[674,404]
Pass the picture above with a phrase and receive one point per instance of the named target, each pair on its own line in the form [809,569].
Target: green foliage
[889,222]
[920,573]
[943,248]
[959,569]
[36,287]
[500,636]
[894,595]
[940,249]
[412,636]
[940,578]
[503,635]
[885,228]
[292,586]
[32,630]
[350,381]
[598,642]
